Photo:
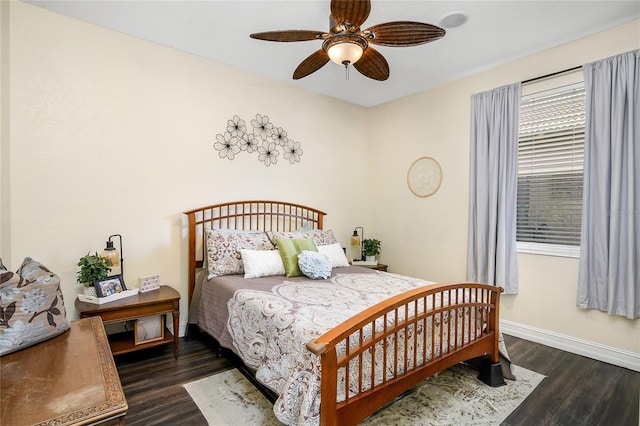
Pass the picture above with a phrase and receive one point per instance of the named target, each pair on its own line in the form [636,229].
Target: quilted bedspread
[271,328]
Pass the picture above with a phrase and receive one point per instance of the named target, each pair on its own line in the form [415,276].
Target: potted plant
[92,268]
[371,248]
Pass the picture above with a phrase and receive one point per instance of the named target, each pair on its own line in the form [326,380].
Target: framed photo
[149,329]
[110,285]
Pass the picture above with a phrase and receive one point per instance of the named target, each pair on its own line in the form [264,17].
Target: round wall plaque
[424,177]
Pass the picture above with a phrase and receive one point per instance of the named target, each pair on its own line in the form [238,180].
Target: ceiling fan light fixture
[345,53]
[345,49]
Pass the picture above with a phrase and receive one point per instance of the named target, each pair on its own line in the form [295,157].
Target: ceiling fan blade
[289,35]
[353,11]
[404,33]
[373,65]
[313,63]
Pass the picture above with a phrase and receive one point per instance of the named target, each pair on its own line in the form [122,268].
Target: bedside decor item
[149,329]
[92,268]
[95,300]
[371,249]
[152,282]
[114,256]
[356,244]
[109,286]
[424,177]
[265,139]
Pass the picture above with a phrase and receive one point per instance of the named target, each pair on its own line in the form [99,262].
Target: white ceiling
[496,32]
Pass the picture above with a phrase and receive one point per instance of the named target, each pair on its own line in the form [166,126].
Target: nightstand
[165,300]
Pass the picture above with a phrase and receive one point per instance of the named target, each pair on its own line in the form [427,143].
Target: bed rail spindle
[347,375]
[464,324]
[441,313]
[422,325]
[360,358]
[395,345]
[384,347]
[415,333]
[374,343]
[405,329]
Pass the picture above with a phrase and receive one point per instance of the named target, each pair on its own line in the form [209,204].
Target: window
[550,165]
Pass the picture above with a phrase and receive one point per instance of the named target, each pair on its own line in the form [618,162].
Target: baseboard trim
[183,328]
[608,354]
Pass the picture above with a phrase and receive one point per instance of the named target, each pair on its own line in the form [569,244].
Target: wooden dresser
[68,380]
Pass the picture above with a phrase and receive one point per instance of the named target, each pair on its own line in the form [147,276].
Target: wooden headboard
[260,215]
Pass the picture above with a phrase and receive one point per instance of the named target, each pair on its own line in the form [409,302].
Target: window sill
[548,249]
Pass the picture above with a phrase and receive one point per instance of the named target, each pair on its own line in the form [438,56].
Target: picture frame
[149,329]
[109,285]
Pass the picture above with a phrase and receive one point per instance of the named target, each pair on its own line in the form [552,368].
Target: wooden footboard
[410,336]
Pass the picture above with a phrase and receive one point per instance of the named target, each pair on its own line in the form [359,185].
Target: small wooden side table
[165,300]
[70,379]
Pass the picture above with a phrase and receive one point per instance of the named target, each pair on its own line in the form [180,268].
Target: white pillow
[261,263]
[335,254]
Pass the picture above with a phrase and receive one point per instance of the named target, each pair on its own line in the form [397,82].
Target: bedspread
[271,328]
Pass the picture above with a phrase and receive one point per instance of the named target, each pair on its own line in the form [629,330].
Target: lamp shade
[345,53]
[113,257]
[355,246]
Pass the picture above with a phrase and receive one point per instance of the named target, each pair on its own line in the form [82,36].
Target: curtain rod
[553,74]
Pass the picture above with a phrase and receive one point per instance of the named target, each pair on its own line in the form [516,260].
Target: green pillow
[289,251]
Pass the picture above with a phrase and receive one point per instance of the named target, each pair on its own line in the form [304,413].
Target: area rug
[453,397]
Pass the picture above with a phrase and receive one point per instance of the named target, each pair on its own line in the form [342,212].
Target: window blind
[550,165]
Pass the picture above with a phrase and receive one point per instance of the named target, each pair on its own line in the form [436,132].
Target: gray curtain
[609,278]
[493,178]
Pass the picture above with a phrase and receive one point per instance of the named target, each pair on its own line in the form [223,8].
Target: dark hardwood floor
[577,390]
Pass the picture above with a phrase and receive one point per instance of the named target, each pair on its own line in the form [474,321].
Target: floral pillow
[31,307]
[319,237]
[223,250]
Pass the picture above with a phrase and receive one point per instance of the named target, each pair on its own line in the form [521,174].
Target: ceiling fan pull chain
[346,70]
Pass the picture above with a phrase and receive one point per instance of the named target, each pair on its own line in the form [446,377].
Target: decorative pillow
[305,227]
[231,231]
[289,251]
[314,265]
[320,238]
[261,263]
[223,250]
[31,307]
[335,254]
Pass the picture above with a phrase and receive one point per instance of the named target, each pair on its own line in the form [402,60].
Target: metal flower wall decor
[263,138]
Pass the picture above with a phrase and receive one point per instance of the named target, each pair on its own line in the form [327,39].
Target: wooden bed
[371,334]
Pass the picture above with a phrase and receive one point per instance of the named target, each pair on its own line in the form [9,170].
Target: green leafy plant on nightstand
[371,247]
[92,267]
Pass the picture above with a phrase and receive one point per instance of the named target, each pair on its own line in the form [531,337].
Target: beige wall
[5,241]
[428,237]
[111,134]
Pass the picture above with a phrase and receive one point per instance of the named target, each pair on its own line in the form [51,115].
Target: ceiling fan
[347,44]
